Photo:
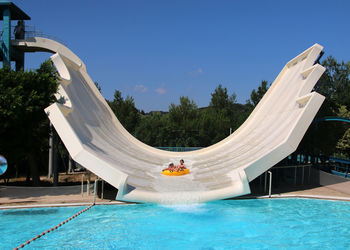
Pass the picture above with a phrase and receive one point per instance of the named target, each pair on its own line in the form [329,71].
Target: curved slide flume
[95,138]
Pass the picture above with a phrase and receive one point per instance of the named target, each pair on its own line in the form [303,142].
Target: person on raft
[171,167]
[177,168]
[182,165]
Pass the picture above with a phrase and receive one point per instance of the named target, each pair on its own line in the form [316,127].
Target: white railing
[30,32]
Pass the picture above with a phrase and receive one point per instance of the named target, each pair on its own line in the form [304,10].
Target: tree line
[184,125]
[24,127]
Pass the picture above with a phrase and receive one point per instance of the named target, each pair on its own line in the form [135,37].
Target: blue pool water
[230,224]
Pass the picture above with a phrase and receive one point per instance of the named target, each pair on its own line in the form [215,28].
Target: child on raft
[172,167]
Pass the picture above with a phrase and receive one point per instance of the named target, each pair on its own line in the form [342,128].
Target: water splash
[195,208]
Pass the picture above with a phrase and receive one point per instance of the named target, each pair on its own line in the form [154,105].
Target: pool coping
[302,196]
[274,196]
[65,205]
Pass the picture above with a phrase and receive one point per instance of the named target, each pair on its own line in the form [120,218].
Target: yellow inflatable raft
[176,173]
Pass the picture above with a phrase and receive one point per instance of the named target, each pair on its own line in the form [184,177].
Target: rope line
[53,228]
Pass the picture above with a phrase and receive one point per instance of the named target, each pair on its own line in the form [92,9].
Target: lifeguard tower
[10,12]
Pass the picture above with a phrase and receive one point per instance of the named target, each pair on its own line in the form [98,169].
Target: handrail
[31,32]
[270,183]
[95,190]
[340,160]
[339,167]
[332,118]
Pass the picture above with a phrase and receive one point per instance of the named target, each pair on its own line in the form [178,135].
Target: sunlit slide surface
[95,138]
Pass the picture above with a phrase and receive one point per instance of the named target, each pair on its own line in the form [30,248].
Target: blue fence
[339,166]
[179,149]
[302,159]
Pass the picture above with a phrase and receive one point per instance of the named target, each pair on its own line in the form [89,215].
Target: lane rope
[53,228]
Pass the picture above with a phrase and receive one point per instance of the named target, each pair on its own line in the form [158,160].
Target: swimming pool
[230,224]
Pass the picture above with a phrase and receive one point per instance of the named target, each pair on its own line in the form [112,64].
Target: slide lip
[61,67]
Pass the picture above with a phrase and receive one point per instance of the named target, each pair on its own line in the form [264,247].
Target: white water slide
[96,140]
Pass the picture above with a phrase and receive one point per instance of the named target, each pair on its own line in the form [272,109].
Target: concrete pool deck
[16,197]
[21,197]
[320,192]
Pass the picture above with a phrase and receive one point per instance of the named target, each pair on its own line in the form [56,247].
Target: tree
[183,114]
[335,83]
[213,126]
[324,137]
[182,119]
[98,86]
[343,143]
[154,130]
[24,126]
[220,99]
[222,116]
[257,95]
[125,111]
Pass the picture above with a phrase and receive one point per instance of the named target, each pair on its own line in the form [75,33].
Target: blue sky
[157,51]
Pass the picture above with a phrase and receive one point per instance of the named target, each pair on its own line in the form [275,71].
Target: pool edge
[275,196]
